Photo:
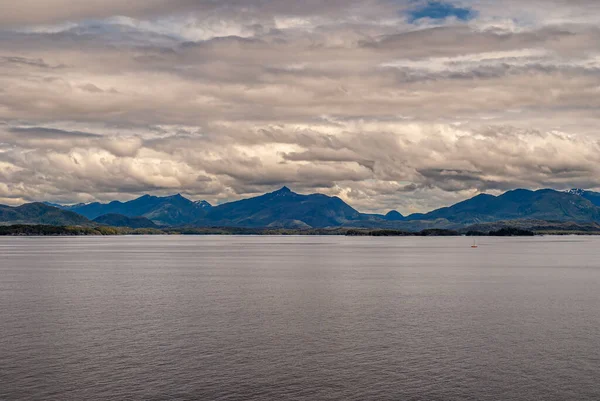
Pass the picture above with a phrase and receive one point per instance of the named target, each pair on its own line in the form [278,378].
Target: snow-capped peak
[203,204]
[576,191]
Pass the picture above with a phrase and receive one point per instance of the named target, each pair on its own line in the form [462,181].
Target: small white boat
[474,244]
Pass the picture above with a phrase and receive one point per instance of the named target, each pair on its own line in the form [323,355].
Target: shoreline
[23,230]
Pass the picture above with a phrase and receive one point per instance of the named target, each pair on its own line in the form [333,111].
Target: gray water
[299,318]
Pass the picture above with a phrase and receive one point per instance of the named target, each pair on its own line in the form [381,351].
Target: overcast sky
[389,104]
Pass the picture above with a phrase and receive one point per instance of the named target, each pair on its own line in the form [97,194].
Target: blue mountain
[169,210]
[287,209]
[394,216]
[283,208]
[40,213]
[118,220]
[592,196]
[545,204]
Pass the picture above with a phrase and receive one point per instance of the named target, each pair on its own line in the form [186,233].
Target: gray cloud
[50,133]
[219,100]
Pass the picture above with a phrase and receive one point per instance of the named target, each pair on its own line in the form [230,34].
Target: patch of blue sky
[440,10]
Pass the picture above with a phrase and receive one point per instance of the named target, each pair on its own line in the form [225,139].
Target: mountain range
[545,204]
[168,211]
[287,209]
[283,209]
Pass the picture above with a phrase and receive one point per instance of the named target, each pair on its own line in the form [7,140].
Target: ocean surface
[299,318]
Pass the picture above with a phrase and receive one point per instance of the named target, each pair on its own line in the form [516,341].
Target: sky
[389,104]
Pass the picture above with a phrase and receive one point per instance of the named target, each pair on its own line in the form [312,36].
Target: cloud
[223,100]
[24,61]
[50,133]
[410,166]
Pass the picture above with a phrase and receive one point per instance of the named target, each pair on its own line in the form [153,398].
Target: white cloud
[111,100]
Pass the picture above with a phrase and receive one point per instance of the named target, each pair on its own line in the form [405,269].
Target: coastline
[69,231]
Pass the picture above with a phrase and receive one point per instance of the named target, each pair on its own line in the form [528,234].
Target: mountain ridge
[543,204]
[315,210]
[168,210]
[119,220]
[289,210]
[40,213]
[592,196]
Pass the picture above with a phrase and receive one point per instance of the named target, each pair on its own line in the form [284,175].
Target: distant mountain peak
[203,204]
[394,215]
[592,196]
[52,204]
[283,191]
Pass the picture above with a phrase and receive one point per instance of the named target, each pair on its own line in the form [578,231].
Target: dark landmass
[45,230]
[399,233]
[253,231]
[538,227]
[503,232]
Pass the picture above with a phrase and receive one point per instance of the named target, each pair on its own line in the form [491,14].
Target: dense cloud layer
[389,104]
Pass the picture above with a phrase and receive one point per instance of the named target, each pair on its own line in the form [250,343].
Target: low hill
[40,213]
[538,226]
[394,216]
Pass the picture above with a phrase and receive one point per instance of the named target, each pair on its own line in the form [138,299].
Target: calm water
[299,318]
